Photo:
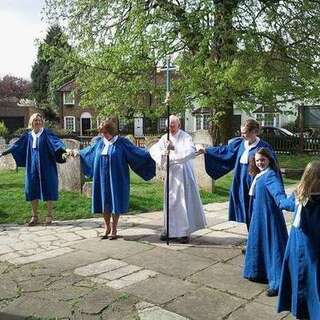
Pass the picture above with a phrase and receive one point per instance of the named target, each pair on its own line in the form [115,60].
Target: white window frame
[200,118]
[276,118]
[65,99]
[162,124]
[74,123]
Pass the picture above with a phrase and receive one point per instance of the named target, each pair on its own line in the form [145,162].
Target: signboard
[311,116]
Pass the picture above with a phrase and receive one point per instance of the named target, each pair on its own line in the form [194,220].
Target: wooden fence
[293,145]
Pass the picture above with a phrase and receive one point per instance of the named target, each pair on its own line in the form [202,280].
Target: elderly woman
[107,162]
[38,150]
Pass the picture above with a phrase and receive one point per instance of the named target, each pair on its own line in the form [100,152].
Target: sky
[20,26]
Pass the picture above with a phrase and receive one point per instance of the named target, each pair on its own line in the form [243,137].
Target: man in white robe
[186,212]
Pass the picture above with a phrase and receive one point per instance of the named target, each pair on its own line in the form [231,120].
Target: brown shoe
[33,221]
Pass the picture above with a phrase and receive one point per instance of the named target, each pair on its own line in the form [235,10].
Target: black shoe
[183,240]
[163,237]
[271,292]
[244,250]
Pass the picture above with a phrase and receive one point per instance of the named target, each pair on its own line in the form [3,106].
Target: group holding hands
[290,266]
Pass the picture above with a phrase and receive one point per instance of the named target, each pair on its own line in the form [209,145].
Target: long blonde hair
[310,181]
[32,117]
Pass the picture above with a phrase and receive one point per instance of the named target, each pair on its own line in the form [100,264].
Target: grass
[296,161]
[144,196]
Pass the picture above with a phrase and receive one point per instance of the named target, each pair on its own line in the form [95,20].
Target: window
[162,124]
[202,121]
[268,119]
[198,122]
[122,124]
[70,123]
[68,98]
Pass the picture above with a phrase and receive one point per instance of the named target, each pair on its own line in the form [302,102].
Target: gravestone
[69,173]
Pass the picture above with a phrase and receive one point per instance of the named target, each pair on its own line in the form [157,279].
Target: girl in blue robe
[300,277]
[236,156]
[38,151]
[107,162]
[268,235]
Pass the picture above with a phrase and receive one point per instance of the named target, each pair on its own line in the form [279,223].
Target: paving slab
[161,289]
[251,310]
[169,262]
[220,238]
[205,303]
[227,278]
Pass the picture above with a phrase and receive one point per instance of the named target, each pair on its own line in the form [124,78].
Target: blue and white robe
[221,160]
[39,159]
[268,234]
[110,173]
[300,277]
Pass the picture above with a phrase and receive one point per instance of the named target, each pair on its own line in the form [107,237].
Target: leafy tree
[50,70]
[248,53]
[11,86]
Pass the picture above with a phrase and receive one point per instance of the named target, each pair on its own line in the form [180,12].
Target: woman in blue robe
[268,234]
[38,151]
[299,290]
[235,156]
[107,162]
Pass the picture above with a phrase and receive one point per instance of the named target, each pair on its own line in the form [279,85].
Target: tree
[45,77]
[249,53]
[11,86]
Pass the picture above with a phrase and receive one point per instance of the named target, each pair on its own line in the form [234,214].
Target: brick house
[73,118]
[15,113]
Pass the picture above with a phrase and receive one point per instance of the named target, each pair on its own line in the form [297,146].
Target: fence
[292,145]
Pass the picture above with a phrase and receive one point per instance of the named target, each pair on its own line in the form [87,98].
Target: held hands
[169,146]
[70,153]
[200,150]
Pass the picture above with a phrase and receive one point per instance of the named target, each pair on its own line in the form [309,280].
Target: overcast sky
[20,26]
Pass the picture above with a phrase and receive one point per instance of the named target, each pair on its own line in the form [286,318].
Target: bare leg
[106,217]
[50,210]
[115,220]
[34,207]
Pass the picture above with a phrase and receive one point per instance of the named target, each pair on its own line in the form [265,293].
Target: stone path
[66,272]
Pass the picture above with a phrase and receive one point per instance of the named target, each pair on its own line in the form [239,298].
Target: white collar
[35,136]
[247,147]
[253,185]
[107,144]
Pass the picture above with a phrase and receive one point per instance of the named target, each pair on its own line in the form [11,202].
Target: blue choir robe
[268,234]
[41,176]
[300,277]
[221,160]
[110,173]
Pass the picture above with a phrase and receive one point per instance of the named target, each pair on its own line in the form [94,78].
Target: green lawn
[296,161]
[144,197]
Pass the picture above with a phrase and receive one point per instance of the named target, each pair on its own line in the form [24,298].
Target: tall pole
[168,138]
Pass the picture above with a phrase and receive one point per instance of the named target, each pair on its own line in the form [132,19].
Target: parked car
[275,132]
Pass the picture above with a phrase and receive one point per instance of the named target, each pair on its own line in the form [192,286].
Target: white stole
[253,185]
[35,136]
[297,218]
[247,147]
[107,144]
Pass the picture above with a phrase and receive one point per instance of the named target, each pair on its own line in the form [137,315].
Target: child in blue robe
[268,235]
[300,277]
[235,156]
[107,162]
[38,151]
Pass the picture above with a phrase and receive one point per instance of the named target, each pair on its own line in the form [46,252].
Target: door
[85,126]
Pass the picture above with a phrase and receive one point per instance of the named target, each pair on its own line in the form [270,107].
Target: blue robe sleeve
[19,150]
[275,187]
[55,145]
[87,157]
[222,159]
[289,203]
[139,160]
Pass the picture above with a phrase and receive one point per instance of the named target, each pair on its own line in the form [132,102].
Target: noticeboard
[311,116]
